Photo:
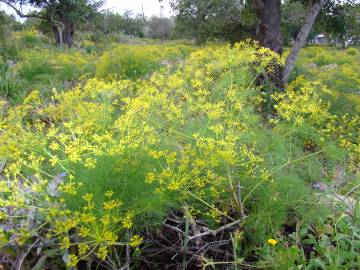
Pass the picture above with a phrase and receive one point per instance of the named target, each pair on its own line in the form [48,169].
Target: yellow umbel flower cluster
[309,103]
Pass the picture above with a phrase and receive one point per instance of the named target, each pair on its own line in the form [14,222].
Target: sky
[151,7]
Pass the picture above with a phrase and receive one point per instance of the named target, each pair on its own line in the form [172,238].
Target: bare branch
[214,232]
[172,227]
[25,254]
[301,38]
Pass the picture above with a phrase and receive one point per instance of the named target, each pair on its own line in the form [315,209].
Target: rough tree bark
[301,38]
[268,31]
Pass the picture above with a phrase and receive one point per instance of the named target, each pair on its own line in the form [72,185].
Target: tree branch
[214,232]
[301,38]
[26,253]
[22,15]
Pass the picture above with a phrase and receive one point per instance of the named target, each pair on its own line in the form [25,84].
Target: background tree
[7,23]
[63,16]
[293,15]
[341,22]
[108,22]
[134,25]
[160,28]
[214,19]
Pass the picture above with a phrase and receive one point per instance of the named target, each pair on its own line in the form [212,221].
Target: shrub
[133,62]
[89,46]
[9,49]
[352,51]
[29,38]
[171,140]
[10,85]
[91,169]
[57,63]
[317,113]
[338,70]
[323,58]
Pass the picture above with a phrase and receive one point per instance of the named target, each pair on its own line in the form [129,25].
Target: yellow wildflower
[54,146]
[102,253]
[272,242]
[65,243]
[135,241]
[54,160]
[72,261]
[109,193]
[83,248]
[150,178]
[88,197]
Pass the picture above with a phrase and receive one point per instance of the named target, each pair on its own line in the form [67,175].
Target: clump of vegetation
[92,169]
[352,51]
[136,61]
[29,38]
[337,69]
[55,65]
[10,84]
[38,66]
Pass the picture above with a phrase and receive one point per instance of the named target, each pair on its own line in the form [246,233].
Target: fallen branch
[25,254]
[172,227]
[215,232]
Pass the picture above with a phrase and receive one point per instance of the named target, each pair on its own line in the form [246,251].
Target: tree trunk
[64,34]
[301,38]
[268,31]
[58,33]
[68,34]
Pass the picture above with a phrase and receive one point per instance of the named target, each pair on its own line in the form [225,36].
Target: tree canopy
[232,20]
[222,19]
[62,15]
